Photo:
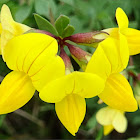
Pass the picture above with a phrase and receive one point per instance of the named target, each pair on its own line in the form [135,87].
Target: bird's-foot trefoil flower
[111,119]
[33,59]
[69,92]
[9,28]
[132,35]
[109,59]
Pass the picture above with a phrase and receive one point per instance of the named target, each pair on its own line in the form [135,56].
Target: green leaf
[21,15]
[68,31]
[61,23]
[44,24]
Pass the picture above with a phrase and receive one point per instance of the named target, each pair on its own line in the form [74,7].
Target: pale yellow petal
[120,122]
[108,129]
[118,94]
[15,91]
[122,19]
[113,32]
[105,116]
[10,28]
[83,84]
[71,112]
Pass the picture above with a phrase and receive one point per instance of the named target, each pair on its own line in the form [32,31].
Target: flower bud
[67,62]
[80,56]
[88,39]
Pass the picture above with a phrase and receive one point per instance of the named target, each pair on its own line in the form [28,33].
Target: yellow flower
[69,93]
[9,28]
[112,119]
[109,59]
[34,61]
[132,35]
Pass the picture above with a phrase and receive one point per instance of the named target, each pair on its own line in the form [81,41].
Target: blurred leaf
[2,117]
[76,23]
[133,24]
[22,13]
[64,9]
[137,138]
[61,23]
[68,31]
[44,24]
[100,134]
[44,7]
[91,122]
[4,1]
[70,2]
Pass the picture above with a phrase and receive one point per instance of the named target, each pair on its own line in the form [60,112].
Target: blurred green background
[37,119]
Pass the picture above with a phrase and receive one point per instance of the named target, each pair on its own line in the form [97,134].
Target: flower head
[110,58]
[69,97]
[33,59]
[132,35]
[112,119]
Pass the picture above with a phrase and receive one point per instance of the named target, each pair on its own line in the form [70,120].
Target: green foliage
[68,31]
[81,16]
[44,24]
[61,23]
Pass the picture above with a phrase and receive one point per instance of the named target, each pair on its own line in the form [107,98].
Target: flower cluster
[39,62]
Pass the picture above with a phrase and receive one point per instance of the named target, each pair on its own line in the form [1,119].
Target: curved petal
[35,54]
[83,84]
[15,91]
[124,52]
[113,32]
[108,129]
[111,56]
[105,115]
[133,39]
[118,94]
[122,19]
[10,28]
[0,36]
[71,112]
[120,122]
[99,63]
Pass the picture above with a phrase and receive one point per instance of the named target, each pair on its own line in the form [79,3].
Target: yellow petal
[122,19]
[105,115]
[0,28]
[118,94]
[124,51]
[83,84]
[120,122]
[99,63]
[71,112]
[113,32]
[111,56]
[35,54]
[133,38]
[107,129]
[10,28]
[15,91]
[0,36]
